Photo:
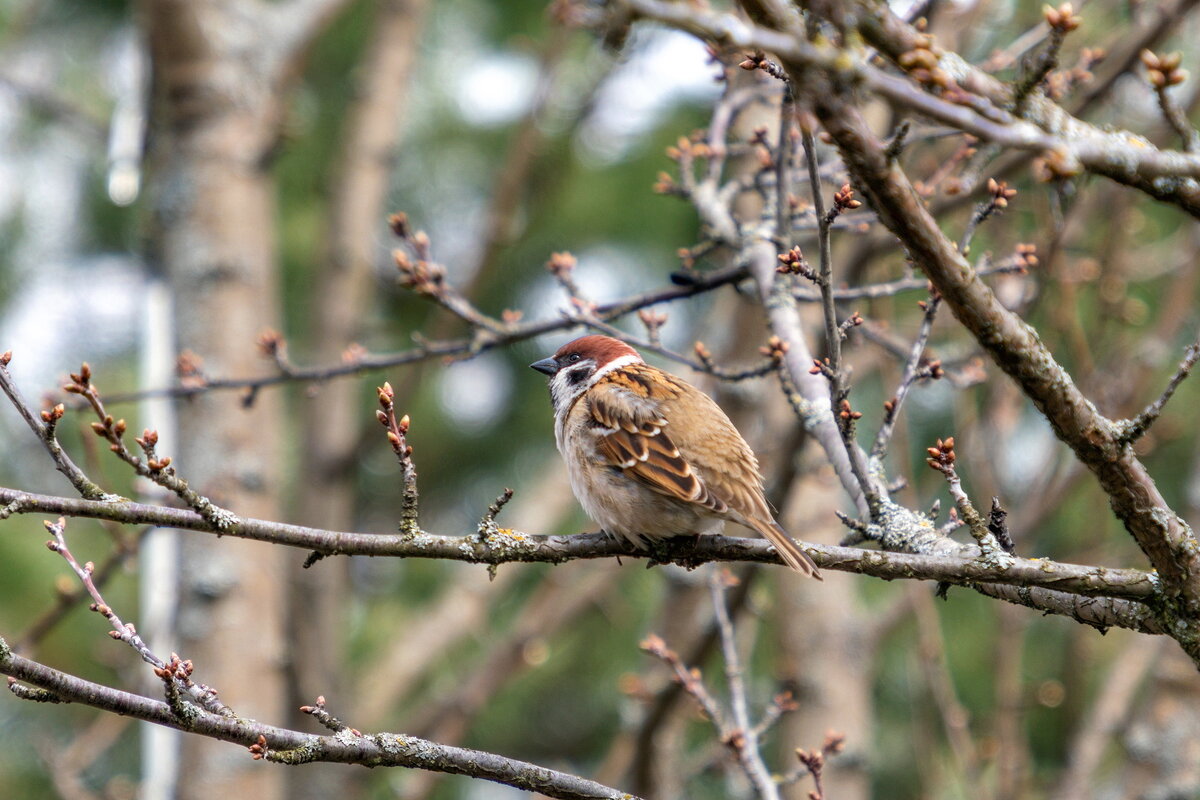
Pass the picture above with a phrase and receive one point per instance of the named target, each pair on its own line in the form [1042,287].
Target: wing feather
[630,406]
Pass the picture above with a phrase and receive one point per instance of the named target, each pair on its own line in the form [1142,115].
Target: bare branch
[175,673]
[962,568]
[1119,155]
[358,362]
[743,738]
[44,429]
[293,747]
[1015,346]
[152,467]
[397,435]
[912,371]
[1163,73]
[1130,430]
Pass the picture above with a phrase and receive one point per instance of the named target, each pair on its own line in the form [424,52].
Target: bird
[649,455]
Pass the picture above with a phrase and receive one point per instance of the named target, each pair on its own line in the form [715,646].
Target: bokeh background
[507,137]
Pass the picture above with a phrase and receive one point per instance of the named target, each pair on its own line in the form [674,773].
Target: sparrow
[649,455]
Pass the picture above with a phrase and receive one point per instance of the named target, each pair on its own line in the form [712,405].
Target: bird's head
[578,364]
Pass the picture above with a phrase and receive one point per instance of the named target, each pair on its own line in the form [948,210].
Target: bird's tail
[789,551]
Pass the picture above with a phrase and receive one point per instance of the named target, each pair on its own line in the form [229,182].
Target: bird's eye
[571,359]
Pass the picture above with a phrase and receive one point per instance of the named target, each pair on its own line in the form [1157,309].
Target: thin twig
[1163,72]
[703,363]
[175,674]
[1041,65]
[688,677]
[1130,430]
[912,371]
[941,458]
[152,467]
[397,434]
[67,601]
[744,737]
[44,429]
[936,674]
[783,159]
[357,362]
[838,390]
[875,291]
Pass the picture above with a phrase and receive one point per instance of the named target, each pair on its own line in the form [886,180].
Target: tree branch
[480,342]
[507,546]
[1018,350]
[294,747]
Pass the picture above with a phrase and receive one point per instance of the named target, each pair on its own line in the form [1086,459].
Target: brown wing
[632,404]
[719,471]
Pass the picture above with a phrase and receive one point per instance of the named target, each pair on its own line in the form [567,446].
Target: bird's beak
[547,366]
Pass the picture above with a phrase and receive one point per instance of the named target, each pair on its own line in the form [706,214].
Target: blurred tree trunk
[1162,742]
[825,649]
[331,420]
[216,109]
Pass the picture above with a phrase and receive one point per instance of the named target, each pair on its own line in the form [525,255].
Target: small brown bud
[1063,18]
[918,58]
[5,358]
[398,222]
[270,342]
[843,199]
[561,263]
